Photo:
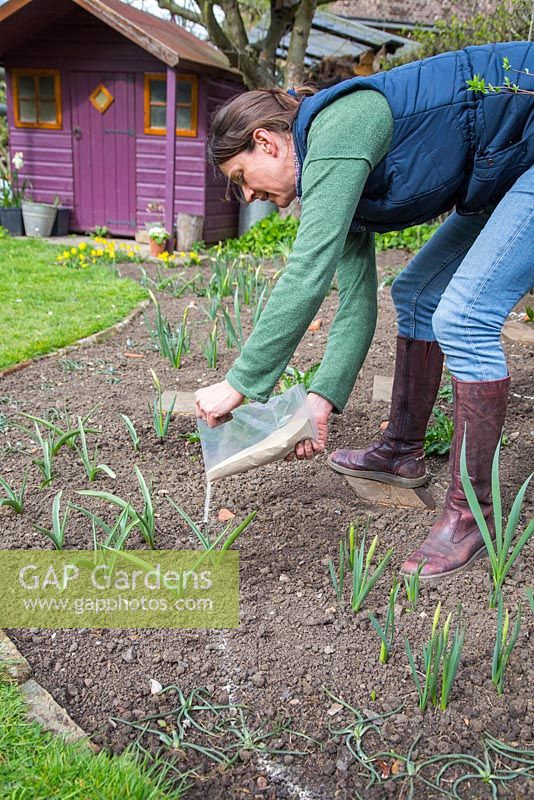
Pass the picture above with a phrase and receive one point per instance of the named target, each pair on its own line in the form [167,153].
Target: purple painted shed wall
[80,43]
[220,214]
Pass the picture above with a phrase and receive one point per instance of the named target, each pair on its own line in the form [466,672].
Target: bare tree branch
[235,23]
[256,61]
[180,11]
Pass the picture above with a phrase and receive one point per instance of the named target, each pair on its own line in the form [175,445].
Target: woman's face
[267,172]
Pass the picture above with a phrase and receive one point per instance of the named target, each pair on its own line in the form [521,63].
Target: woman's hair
[233,124]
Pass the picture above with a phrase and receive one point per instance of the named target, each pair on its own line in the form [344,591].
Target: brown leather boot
[454,541]
[398,457]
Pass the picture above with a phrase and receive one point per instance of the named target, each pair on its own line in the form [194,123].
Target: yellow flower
[93,252]
[73,251]
[181,254]
[82,246]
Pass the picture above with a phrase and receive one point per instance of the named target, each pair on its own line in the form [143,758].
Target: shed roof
[21,19]
[337,37]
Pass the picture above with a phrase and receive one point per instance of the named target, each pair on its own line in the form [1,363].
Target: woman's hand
[215,403]
[309,448]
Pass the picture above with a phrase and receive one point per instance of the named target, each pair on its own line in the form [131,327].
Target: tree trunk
[294,73]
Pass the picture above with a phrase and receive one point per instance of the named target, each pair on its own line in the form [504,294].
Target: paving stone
[185,402]
[382,388]
[394,496]
[42,708]
[519,332]
[16,667]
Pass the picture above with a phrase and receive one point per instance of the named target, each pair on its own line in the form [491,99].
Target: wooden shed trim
[33,72]
[160,76]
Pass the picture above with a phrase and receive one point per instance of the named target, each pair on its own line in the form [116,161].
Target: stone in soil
[382,388]
[184,404]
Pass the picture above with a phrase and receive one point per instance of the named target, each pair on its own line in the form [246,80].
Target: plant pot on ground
[11,220]
[13,190]
[158,240]
[61,223]
[38,218]
[156,248]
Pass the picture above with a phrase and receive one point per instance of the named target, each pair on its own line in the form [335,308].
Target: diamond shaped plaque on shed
[101,98]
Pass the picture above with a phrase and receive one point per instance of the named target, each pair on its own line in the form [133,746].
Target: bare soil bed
[294,639]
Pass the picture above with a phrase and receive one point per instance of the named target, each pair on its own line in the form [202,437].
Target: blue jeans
[463,283]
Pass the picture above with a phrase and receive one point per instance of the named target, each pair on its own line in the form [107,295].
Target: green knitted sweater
[346,141]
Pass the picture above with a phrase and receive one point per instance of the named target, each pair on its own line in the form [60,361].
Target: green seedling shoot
[116,534]
[227,536]
[363,579]
[211,348]
[58,437]
[212,310]
[502,554]
[134,436]
[144,519]
[57,532]
[14,499]
[438,659]
[92,469]
[387,633]
[530,598]
[411,585]
[172,344]
[504,644]
[338,581]
[355,731]
[161,420]
[45,463]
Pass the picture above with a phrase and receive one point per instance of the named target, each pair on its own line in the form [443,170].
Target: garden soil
[294,640]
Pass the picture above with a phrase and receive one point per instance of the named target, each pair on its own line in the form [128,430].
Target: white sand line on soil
[279,772]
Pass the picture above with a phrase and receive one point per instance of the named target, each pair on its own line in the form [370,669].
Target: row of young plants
[441,654]
[242,281]
[196,725]
[444,774]
[53,435]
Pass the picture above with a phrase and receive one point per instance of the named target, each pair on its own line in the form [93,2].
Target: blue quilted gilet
[450,146]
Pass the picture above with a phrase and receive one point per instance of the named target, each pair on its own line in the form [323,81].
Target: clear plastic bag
[258,433]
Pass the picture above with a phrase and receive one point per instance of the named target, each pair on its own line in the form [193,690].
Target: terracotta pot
[156,249]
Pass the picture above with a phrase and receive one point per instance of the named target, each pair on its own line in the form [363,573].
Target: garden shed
[110,106]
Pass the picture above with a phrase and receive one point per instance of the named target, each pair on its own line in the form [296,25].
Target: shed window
[37,98]
[186,104]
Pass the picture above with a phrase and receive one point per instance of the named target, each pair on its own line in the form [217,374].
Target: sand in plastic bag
[275,446]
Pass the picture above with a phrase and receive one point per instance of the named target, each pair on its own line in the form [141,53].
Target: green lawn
[45,306]
[34,765]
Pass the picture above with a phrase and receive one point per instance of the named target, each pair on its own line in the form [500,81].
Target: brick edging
[94,338]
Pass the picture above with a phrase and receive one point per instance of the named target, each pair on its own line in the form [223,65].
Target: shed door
[103,141]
